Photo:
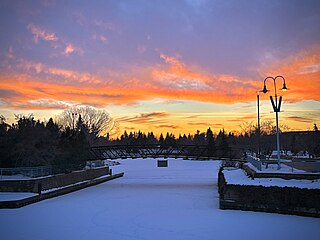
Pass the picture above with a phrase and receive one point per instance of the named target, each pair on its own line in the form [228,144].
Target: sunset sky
[169,65]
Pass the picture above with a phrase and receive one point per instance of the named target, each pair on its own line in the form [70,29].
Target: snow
[62,187]
[110,162]
[178,202]
[238,177]
[11,196]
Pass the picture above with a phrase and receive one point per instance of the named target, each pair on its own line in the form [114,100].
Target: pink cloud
[69,49]
[42,34]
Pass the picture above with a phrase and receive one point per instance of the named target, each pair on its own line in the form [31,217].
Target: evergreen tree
[210,142]
[223,144]
[5,143]
[161,140]
[151,138]
[197,138]
[74,150]
[32,143]
[52,126]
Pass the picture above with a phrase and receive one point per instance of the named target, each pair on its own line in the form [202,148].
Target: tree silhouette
[223,144]
[29,142]
[97,122]
[210,142]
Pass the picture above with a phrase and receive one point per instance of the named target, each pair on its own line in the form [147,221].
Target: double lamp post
[276,105]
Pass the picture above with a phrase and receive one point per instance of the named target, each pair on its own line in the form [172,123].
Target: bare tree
[267,127]
[97,122]
[2,119]
[248,127]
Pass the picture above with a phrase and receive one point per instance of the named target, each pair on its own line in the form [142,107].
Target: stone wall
[55,181]
[286,200]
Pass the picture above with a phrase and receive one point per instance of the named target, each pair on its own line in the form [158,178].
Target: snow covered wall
[31,185]
[277,199]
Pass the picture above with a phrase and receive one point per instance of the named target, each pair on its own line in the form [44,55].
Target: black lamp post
[276,107]
[259,131]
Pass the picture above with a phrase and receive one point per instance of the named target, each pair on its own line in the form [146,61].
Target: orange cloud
[199,124]
[74,76]
[24,91]
[39,85]
[184,82]
[42,84]
[145,118]
[300,119]
[302,74]
[244,118]
[168,126]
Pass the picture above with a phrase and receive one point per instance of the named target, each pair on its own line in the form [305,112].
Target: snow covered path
[178,202]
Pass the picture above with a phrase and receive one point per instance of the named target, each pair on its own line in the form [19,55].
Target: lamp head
[284,88]
[264,90]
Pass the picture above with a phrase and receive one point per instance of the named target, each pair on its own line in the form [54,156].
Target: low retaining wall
[55,181]
[285,200]
[254,174]
[55,193]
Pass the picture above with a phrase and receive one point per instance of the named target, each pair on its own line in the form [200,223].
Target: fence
[41,171]
[26,171]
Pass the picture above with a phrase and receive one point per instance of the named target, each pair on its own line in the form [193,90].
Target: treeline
[220,143]
[225,144]
[29,142]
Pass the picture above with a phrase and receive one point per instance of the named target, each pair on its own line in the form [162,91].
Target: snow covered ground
[178,202]
[11,196]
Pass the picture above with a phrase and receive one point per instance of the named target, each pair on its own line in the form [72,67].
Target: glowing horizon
[177,66]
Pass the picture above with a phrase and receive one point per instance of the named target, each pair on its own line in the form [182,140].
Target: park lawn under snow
[178,202]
